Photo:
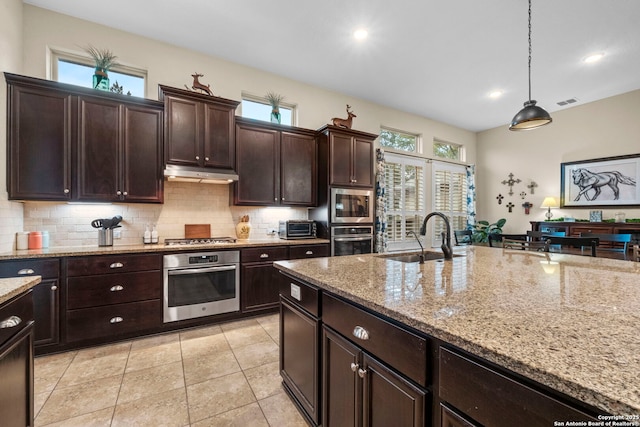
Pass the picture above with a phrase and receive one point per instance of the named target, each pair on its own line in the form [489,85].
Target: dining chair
[541,235]
[498,237]
[525,245]
[636,253]
[463,237]
[618,242]
[560,243]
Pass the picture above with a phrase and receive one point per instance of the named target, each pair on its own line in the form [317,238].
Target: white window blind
[406,206]
[449,197]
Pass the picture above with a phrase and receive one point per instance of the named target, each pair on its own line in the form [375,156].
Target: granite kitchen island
[563,326]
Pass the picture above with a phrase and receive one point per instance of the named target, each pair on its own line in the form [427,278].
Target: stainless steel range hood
[201,175]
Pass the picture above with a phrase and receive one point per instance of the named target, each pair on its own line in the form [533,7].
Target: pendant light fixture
[531,116]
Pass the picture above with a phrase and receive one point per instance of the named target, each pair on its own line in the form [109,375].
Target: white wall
[173,66]
[609,127]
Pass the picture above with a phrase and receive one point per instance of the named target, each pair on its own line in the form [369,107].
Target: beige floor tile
[270,318]
[69,402]
[102,351]
[154,356]
[145,382]
[265,380]
[247,416]
[280,411]
[38,401]
[47,370]
[163,409]
[204,346]
[84,370]
[219,395]
[154,341]
[273,329]
[257,354]
[236,324]
[101,418]
[204,331]
[239,337]
[203,368]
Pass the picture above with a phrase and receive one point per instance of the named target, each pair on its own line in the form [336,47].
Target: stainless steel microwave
[349,205]
[297,229]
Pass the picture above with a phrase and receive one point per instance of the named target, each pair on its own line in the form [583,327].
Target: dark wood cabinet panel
[362,162]
[258,154]
[93,291]
[341,160]
[219,136]
[449,418]
[260,286]
[112,264]
[298,160]
[348,157]
[182,144]
[308,251]
[40,125]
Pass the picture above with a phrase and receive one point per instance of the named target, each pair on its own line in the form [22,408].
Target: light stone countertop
[64,251]
[14,286]
[566,321]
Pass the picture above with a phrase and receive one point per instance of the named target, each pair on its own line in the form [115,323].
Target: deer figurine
[197,85]
[344,123]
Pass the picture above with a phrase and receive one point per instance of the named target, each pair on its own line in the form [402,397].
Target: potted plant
[274,100]
[482,229]
[104,59]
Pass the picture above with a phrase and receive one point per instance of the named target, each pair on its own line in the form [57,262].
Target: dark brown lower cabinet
[449,418]
[360,390]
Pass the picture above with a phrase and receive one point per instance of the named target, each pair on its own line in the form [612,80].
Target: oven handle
[178,271]
[351,239]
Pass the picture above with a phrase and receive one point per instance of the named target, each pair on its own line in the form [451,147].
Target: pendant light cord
[529,50]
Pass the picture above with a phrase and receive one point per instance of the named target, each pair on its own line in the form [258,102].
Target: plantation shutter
[449,197]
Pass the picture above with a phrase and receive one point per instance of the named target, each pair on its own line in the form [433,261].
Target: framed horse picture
[604,182]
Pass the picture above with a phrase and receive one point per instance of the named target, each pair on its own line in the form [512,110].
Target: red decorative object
[527,206]
[344,123]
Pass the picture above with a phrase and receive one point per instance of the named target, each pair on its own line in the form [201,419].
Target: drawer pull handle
[54,288]
[25,271]
[10,322]
[116,265]
[264,255]
[362,373]
[116,319]
[360,333]
[354,366]
[116,288]
[309,253]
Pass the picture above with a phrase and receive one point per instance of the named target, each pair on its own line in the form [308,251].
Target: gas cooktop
[204,241]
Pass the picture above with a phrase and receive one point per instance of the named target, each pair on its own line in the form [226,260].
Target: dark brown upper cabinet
[199,129]
[347,155]
[90,145]
[276,165]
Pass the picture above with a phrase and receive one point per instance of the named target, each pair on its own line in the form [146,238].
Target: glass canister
[620,217]
[45,239]
[35,240]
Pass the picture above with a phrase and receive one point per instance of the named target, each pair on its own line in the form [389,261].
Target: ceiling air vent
[567,101]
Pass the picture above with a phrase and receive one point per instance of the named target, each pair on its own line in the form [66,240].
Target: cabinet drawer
[598,229]
[397,347]
[300,294]
[112,320]
[15,316]
[308,251]
[40,267]
[101,264]
[265,254]
[471,388]
[113,289]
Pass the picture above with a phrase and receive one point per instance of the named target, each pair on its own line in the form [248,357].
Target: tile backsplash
[184,203]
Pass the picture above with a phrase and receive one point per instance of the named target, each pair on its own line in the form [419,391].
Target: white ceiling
[435,58]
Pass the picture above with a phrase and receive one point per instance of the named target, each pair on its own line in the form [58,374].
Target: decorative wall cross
[510,182]
[532,186]
[527,206]
[510,207]
[499,197]
[523,194]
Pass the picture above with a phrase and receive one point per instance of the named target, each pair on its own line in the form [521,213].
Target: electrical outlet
[272,231]
[117,234]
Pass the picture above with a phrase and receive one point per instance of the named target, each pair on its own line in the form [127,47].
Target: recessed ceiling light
[593,58]
[496,94]
[360,34]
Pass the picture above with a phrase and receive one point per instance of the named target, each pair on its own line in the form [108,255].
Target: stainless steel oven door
[197,292]
[350,205]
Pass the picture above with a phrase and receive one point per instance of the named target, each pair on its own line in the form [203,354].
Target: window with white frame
[448,150]
[449,197]
[78,70]
[256,107]
[405,180]
[398,140]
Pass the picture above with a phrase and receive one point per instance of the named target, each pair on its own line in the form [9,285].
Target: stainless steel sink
[414,256]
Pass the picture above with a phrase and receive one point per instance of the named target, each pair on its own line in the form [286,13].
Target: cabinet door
[299,354]
[389,399]
[341,390]
[99,149]
[260,287]
[16,371]
[46,305]
[341,160]
[39,144]
[298,169]
[258,166]
[142,179]
[362,163]
[219,137]
[183,131]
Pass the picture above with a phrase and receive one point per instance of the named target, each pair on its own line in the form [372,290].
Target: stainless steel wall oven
[200,284]
[351,240]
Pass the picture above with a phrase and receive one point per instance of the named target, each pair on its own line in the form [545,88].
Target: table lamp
[549,202]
